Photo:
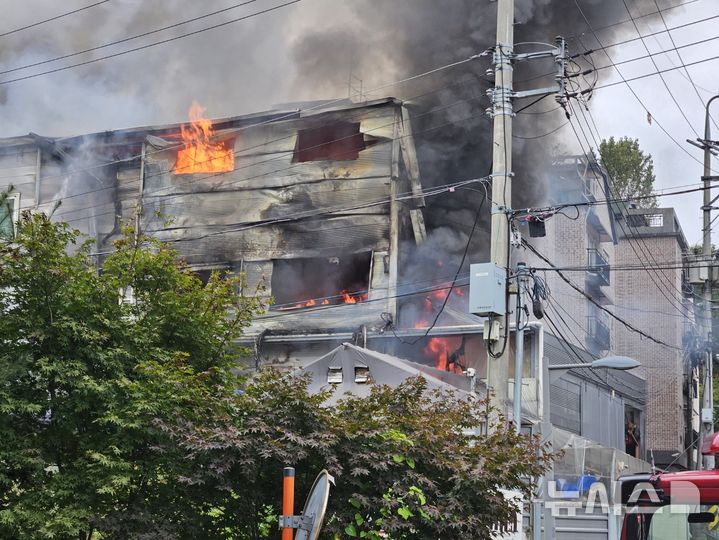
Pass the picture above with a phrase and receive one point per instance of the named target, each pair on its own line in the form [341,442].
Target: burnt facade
[313,205]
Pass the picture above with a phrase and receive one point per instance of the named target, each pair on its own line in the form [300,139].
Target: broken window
[298,283]
[340,141]
[8,216]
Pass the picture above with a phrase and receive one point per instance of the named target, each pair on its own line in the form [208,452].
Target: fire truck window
[341,141]
[682,522]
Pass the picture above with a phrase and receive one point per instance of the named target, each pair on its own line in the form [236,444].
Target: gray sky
[304,51]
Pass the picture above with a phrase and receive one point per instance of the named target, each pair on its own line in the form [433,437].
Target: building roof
[289,111]
[351,362]
[653,222]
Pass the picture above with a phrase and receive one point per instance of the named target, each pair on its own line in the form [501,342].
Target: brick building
[608,253]
[657,301]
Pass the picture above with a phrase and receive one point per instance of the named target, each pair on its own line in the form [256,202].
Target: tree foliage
[127,420]
[86,381]
[630,169]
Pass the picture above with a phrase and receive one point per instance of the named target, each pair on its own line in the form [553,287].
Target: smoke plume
[316,49]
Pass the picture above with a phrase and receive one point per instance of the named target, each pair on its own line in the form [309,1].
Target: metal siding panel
[565,405]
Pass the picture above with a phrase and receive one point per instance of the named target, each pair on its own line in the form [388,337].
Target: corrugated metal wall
[566,405]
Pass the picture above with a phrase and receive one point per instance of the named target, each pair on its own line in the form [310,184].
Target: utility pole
[708,398]
[498,361]
[502,112]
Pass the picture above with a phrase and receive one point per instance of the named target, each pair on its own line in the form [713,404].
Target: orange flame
[440,348]
[347,298]
[199,154]
[437,347]
[344,297]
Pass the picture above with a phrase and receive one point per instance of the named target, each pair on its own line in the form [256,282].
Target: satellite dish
[314,512]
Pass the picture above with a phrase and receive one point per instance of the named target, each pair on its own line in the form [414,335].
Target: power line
[651,55]
[651,34]
[654,63]
[124,40]
[147,46]
[299,216]
[317,212]
[56,17]
[626,81]
[454,279]
[593,301]
[293,114]
[659,10]
[551,132]
[588,52]
[638,77]
[681,60]
[640,240]
[589,160]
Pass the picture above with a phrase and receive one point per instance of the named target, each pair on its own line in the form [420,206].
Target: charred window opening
[204,274]
[341,141]
[299,283]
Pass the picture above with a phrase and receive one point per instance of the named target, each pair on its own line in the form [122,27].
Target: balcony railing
[599,333]
[598,263]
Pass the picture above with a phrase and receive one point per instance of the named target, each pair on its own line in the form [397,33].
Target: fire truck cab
[673,505]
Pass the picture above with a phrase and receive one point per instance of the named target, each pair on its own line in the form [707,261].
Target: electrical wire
[609,176]
[149,45]
[649,14]
[290,115]
[283,155]
[564,124]
[593,301]
[656,67]
[124,40]
[55,18]
[681,61]
[589,51]
[454,280]
[682,308]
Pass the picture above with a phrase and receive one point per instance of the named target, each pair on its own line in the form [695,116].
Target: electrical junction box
[487,289]
[707,416]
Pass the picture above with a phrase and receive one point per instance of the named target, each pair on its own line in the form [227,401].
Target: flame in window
[200,154]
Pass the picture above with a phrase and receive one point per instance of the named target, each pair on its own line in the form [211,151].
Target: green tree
[406,461]
[87,382]
[127,420]
[631,170]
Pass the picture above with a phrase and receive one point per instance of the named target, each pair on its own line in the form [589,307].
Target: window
[340,141]
[334,374]
[301,283]
[9,209]
[362,374]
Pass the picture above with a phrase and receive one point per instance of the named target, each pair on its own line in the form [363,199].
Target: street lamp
[622,363]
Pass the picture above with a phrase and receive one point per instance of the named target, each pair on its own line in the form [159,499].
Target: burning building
[312,206]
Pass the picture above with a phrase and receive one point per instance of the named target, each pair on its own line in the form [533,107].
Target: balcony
[598,267]
[599,334]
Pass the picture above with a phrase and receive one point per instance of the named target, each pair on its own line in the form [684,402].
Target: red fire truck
[673,505]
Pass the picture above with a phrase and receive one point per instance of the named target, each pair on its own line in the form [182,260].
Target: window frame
[15,217]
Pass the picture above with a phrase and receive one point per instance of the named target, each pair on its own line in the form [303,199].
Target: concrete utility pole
[708,398]
[498,367]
